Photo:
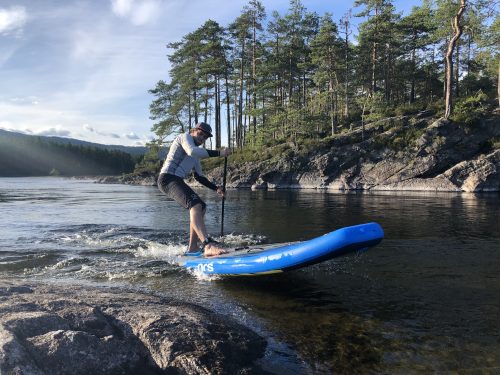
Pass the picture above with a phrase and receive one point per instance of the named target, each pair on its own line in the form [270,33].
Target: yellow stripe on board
[252,274]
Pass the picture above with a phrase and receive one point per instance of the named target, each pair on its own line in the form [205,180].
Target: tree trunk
[205,119]
[469,48]
[430,75]
[217,114]
[254,78]
[346,58]
[290,82]
[189,111]
[457,70]
[387,83]
[498,85]
[228,107]
[413,68]
[374,55]
[240,101]
[304,90]
[195,106]
[374,58]
[457,32]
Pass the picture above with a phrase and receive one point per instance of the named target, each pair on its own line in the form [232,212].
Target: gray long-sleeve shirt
[184,156]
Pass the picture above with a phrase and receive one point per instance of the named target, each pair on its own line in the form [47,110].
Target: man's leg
[197,225]
[193,237]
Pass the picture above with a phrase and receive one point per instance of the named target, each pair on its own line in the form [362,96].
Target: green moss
[409,109]
[250,155]
[405,140]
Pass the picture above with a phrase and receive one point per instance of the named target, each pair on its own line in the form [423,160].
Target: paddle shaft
[223,197]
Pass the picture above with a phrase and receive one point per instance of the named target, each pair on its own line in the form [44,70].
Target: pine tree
[326,54]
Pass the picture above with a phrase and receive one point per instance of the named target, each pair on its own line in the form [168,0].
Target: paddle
[223,197]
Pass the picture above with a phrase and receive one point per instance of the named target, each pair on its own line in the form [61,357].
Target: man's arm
[204,181]
[191,149]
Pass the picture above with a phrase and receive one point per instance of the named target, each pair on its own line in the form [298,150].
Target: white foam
[203,276]
[240,239]
[156,250]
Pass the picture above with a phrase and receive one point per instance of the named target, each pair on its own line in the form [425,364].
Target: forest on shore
[35,156]
[268,78]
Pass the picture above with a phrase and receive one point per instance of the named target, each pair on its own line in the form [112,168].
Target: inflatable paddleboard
[269,259]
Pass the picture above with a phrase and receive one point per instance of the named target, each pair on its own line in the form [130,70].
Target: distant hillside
[24,155]
[132,150]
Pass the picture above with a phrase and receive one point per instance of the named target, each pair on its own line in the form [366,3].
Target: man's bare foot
[211,250]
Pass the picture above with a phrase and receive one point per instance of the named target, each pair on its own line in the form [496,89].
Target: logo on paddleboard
[205,267]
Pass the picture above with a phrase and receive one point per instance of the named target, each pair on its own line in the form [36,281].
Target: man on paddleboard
[184,157]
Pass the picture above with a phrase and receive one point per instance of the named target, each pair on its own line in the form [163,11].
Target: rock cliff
[400,153]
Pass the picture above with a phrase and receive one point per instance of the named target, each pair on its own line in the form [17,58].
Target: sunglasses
[205,134]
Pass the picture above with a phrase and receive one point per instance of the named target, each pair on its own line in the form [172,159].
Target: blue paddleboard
[262,260]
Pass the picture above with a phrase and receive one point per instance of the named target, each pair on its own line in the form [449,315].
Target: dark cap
[205,128]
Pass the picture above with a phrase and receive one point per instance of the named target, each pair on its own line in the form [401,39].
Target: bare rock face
[481,174]
[49,329]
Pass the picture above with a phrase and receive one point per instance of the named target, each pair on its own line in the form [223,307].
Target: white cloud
[121,7]
[132,135]
[12,19]
[88,128]
[5,125]
[139,12]
[145,12]
[58,131]
[104,134]
[25,100]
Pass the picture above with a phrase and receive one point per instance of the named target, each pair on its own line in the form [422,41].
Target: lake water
[427,299]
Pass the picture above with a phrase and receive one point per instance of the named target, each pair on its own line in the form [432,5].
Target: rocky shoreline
[71,329]
[418,153]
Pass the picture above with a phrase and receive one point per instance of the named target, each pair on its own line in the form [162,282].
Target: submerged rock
[51,329]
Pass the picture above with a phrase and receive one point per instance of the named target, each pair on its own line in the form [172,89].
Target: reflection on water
[424,300]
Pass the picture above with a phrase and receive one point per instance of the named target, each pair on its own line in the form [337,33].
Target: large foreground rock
[50,329]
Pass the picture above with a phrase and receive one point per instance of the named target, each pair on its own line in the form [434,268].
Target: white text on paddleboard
[205,267]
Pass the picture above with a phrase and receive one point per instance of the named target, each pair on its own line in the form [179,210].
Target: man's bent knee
[201,206]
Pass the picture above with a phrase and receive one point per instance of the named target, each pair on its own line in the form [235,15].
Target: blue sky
[82,69]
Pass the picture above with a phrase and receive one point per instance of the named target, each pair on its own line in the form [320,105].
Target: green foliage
[374,107]
[150,162]
[271,153]
[409,108]
[470,110]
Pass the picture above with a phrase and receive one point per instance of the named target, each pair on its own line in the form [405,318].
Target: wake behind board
[262,260]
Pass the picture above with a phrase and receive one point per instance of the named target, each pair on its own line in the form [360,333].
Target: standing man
[184,157]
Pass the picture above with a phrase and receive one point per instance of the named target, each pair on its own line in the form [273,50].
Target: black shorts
[174,187]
